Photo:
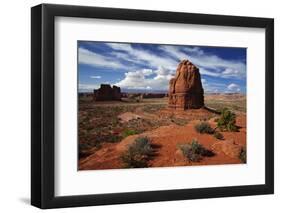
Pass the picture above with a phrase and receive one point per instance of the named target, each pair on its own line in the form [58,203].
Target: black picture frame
[43,102]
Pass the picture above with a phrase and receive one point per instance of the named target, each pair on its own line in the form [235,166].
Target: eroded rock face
[107,93]
[185,89]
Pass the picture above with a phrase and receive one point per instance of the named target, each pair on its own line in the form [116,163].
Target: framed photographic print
[139,106]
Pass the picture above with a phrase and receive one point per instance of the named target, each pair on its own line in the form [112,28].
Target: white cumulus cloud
[146,79]
[95,76]
[233,87]
[209,64]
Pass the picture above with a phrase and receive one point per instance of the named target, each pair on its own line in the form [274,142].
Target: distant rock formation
[185,89]
[154,95]
[107,93]
[144,95]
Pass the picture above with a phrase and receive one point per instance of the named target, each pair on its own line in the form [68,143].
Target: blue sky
[151,66]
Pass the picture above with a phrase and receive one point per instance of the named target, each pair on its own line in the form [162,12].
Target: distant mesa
[154,95]
[185,89]
[107,93]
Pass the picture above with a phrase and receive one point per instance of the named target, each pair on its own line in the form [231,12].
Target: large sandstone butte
[107,93]
[185,89]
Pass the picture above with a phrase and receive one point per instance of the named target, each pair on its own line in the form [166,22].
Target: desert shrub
[179,121]
[189,153]
[85,149]
[114,122]
[128,132]
[243,155]
[137,154]
[194,151]
[218,135]
[134,98]
[227,121]
[204,127]
[113,138]
[109,138]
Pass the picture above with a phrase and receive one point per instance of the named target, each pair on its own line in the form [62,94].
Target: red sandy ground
[165,140]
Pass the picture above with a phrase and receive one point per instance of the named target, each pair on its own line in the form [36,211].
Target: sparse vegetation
[138,153]
[153,108]
[218,135]
[243,155]
[100,123]
[204,128]
[194,151]
[232,102]
[227,121]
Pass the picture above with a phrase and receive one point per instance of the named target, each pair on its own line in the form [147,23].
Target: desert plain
[107,130]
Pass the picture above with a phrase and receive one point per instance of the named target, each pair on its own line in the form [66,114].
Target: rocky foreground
[165,141]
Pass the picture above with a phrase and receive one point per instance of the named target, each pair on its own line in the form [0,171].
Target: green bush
[128,132]
[137,154]
[243,155]
[218,135]
[204,127]
[227,121]
[194,151]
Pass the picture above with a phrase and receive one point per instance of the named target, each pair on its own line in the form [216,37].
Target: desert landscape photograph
[160,105]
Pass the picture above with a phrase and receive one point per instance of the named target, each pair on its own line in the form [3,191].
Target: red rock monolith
[185,89]
[107,93]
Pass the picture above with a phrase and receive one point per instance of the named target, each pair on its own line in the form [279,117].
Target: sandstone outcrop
[185,89]
[107,93]
[228,147]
